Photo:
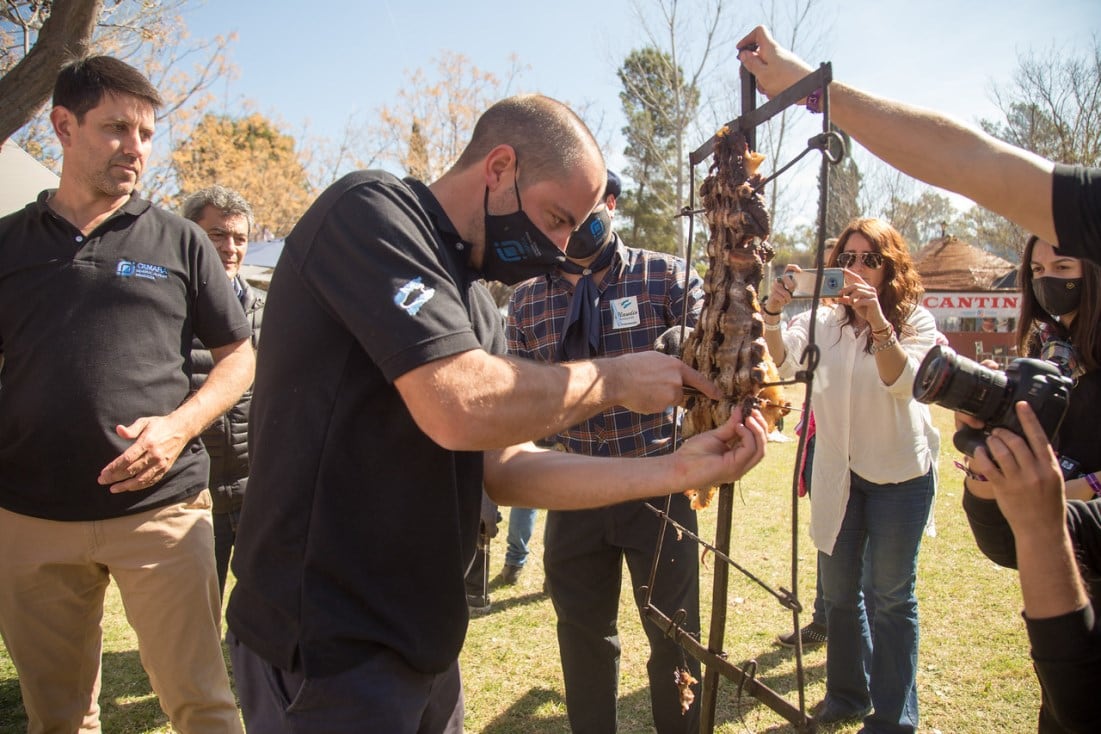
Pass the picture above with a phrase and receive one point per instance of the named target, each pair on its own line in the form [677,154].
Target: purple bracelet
[1095,485]
[971,473]
[814,101]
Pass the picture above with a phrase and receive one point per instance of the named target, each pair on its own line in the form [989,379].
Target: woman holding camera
[1061,322]
[874,468]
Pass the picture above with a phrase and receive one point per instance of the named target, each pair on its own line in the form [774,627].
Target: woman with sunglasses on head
[874,467]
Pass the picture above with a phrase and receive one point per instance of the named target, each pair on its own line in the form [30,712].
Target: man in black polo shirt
[383,400]
[101,472]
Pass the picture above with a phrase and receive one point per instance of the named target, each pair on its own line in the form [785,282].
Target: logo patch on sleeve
[413,295]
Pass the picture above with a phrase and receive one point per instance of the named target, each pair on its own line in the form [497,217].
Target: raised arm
[922,143]
[1024,478]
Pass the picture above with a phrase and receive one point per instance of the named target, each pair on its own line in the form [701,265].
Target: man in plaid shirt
[610,299]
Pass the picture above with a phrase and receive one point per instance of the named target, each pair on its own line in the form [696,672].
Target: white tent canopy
[21,178]
[264,254]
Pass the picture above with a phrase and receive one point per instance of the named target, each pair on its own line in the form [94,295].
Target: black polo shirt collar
[456,245]
[135,206]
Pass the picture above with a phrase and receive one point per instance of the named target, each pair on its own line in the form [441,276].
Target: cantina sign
[973,305]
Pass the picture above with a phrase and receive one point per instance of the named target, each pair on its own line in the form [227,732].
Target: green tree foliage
[657,103]
[249,154]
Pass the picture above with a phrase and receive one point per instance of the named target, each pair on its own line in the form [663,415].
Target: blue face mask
[516,249]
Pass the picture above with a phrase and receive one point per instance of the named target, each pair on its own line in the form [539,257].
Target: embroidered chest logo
[413,295]
[128,269]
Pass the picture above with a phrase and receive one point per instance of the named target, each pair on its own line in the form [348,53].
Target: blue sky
[318,64]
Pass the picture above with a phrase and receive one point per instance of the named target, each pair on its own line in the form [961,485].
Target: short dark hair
[81,84]
[549,138]
[221,198]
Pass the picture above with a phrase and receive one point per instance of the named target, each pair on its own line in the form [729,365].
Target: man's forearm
[947,153]
[232,373]
[525,476]
[1050,583]
[476,401]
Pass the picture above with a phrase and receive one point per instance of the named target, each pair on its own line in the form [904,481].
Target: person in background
[609,299]
[521,520]
[227,219]
[1059,322]
[521,524]
[873,471]
[1061,204]
[385,402]
[102,474]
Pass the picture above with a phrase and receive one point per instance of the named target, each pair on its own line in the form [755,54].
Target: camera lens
[958,383]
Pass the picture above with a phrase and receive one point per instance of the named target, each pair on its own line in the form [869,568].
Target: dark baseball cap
[612,187]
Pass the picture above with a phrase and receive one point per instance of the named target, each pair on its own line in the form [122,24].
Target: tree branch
[65,35]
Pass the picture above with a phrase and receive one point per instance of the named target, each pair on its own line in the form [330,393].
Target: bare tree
[37,39]
[149,35]
[798,25]
[431,121]
[698,39]
[1053,106]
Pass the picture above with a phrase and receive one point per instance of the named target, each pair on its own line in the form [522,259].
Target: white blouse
[878,431]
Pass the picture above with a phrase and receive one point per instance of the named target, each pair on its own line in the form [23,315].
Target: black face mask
[591,237]
[515,248]
[1058,296]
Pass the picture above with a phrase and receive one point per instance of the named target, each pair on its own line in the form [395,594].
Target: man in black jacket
[227,219]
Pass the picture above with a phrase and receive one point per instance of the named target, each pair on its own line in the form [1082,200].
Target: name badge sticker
[625,313]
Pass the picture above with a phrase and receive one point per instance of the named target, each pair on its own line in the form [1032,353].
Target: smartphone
[802,283]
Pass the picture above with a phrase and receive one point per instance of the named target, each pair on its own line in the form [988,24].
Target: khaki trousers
[53,576]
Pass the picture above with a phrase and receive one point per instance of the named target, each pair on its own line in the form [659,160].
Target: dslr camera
[958,383]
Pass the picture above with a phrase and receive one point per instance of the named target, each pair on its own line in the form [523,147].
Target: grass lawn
[974,671]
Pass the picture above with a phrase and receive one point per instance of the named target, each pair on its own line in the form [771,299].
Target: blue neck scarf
[581,332]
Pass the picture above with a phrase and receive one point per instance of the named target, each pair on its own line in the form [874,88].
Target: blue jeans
[819,615]
[521,524]
[886,520]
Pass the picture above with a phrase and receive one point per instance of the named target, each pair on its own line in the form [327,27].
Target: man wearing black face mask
[609,299]
[384,403]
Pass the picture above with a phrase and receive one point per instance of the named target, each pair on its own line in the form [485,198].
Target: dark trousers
[583,558]
[225,534]
[382,694]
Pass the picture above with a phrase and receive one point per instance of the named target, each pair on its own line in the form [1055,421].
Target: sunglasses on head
[871,260]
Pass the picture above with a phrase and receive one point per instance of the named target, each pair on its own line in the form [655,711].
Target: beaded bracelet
[877,348]
[1095,485]
[772,327]
[971,474]
[814,101]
